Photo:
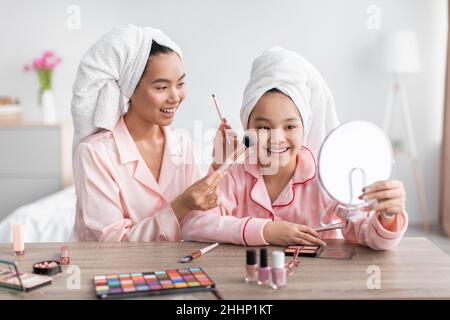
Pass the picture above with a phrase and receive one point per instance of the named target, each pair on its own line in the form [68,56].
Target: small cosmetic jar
[48,268]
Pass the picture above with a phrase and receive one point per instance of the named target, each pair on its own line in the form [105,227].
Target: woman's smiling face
[161,90]
[280,130]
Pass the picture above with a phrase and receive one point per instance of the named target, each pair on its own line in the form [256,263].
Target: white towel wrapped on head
[108,75]
[297,78]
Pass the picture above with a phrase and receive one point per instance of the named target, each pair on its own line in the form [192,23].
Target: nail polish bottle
[251,268]
[278,270]
[264,269]
[65,259]
[18,245]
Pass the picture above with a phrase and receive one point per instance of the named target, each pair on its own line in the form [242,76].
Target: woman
[135,181]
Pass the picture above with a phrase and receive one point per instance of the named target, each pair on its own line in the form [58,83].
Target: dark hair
[274,90]
[158,49]
[155,50]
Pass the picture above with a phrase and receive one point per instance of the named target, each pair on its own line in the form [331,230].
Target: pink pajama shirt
[246,208]
[118,198]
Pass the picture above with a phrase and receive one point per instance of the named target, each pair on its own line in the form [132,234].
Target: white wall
[220,39]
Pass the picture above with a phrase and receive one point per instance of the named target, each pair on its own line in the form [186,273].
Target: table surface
[415,269]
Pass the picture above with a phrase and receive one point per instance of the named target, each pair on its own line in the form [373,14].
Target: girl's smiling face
[279,127]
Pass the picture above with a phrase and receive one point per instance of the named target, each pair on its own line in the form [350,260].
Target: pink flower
[55,63]
[37,63]
[45,64]
[48,54]
[48,61]
[51,63]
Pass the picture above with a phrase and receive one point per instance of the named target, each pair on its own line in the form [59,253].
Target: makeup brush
[217,107]
[248,141]
[220,116]
[330,227]
[198,253]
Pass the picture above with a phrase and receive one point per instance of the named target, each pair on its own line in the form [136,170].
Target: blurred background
[344,39]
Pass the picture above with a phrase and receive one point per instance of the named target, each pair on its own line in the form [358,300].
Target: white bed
[50,219]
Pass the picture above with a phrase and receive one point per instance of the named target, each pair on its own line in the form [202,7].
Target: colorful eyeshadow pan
[126,285]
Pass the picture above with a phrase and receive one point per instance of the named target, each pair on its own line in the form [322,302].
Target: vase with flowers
[44,67]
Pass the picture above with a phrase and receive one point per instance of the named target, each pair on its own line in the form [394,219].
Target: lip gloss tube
[278,270]
[251,268]
[264,269]
[18,245]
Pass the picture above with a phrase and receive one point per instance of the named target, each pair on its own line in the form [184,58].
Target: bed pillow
[50,219]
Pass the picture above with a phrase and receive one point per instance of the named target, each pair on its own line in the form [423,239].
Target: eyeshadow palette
[128,285]
[321,252]
[12,278]
[338,253]
[305,250]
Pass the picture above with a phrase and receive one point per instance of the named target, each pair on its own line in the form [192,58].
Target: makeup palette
[305,250]
[12,278]
[321,252]
[128,285]
[338,253]
[27,282]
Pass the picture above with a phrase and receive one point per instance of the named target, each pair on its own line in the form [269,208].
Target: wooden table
[415,269]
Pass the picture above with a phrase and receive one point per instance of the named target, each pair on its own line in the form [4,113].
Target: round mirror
[354,155]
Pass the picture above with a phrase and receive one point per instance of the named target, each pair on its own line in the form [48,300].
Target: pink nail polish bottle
[278,270]
[251,268]
[65,259]
[264,269]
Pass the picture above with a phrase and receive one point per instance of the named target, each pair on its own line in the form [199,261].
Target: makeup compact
[11,278]
[48,268]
